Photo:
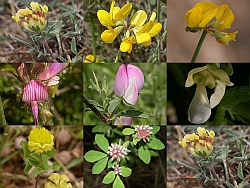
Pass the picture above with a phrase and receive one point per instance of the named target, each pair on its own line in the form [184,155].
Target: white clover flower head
[117,151]
[117,169]
[143,132]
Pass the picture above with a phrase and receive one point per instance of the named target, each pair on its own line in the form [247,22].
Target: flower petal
[34,107]
[225,16]
[134,71]
[218,93]
[51,70]
[121,80]
[109,36]
[190,79]
[131,93]
[155,29]
[123,120]
[104,18]
[199,110]
[34,91]
[138,18]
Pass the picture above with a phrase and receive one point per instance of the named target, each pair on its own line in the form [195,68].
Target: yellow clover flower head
[40,140]
[58,181]
[207,76]
[33,19]
[199,144]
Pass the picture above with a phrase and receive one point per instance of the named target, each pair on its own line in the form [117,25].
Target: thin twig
[216,176]
[37,179]
[94,109]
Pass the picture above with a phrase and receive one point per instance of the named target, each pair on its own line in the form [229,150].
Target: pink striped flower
[37,90]
[129,81]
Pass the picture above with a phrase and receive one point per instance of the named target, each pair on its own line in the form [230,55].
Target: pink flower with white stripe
[128,83]
[37,89]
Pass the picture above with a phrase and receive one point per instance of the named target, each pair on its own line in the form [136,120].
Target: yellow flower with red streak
[199,144]
[33,19]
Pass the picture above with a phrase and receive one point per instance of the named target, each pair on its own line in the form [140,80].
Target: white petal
[131,93]
[219,92]
[199,110]
[190,80]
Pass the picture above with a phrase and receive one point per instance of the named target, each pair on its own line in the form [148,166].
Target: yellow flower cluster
[40,140]
[199,144]
[202,13]
[58,181]
[33,19]
[137,32]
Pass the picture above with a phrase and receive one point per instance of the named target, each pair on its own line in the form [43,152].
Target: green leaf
[118,183]
[35,171]
[144,154]
[134,113]
[128,131]
[156,144]
[153,153]
[20,40]
[188,166]
[229,185]
[51,153]
[102,142]
[73,45]
[110,176]
[100,129]
[100,166]
[92,156]
[228,68]
[135,141]
[27,168]
[111,163]
[26,151]
[126,171]
[237,101]
[240,171]
[155,129]
[113,104]
[33,162]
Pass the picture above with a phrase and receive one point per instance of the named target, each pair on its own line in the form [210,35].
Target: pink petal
[121,80]
[123,120]
[34,106]
[131,94]
[34,91]
[134,71]
[51,70]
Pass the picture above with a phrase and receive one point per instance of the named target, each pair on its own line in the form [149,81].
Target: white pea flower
[208,76]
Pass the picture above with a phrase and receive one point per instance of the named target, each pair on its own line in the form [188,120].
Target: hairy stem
[94,109]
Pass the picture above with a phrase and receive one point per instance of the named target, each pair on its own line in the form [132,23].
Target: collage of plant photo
[124,94]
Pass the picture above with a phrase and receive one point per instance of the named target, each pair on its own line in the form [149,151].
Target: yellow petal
[225,17]
[139,18]
[124,12]
[227,38]
[144,39]
[104,18]
[155,29]
[109,36]
[127,43]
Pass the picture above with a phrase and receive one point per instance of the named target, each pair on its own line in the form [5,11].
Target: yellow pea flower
[33,19]
[148,30]
[225,38]
[199,144]
[201,14]
[127,43]
[115,17]
[224,17]
[40,140]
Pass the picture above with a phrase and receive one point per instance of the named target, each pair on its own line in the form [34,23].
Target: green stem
[2,116]
[220,113]
[197,50]
[118,56]
[92,28]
